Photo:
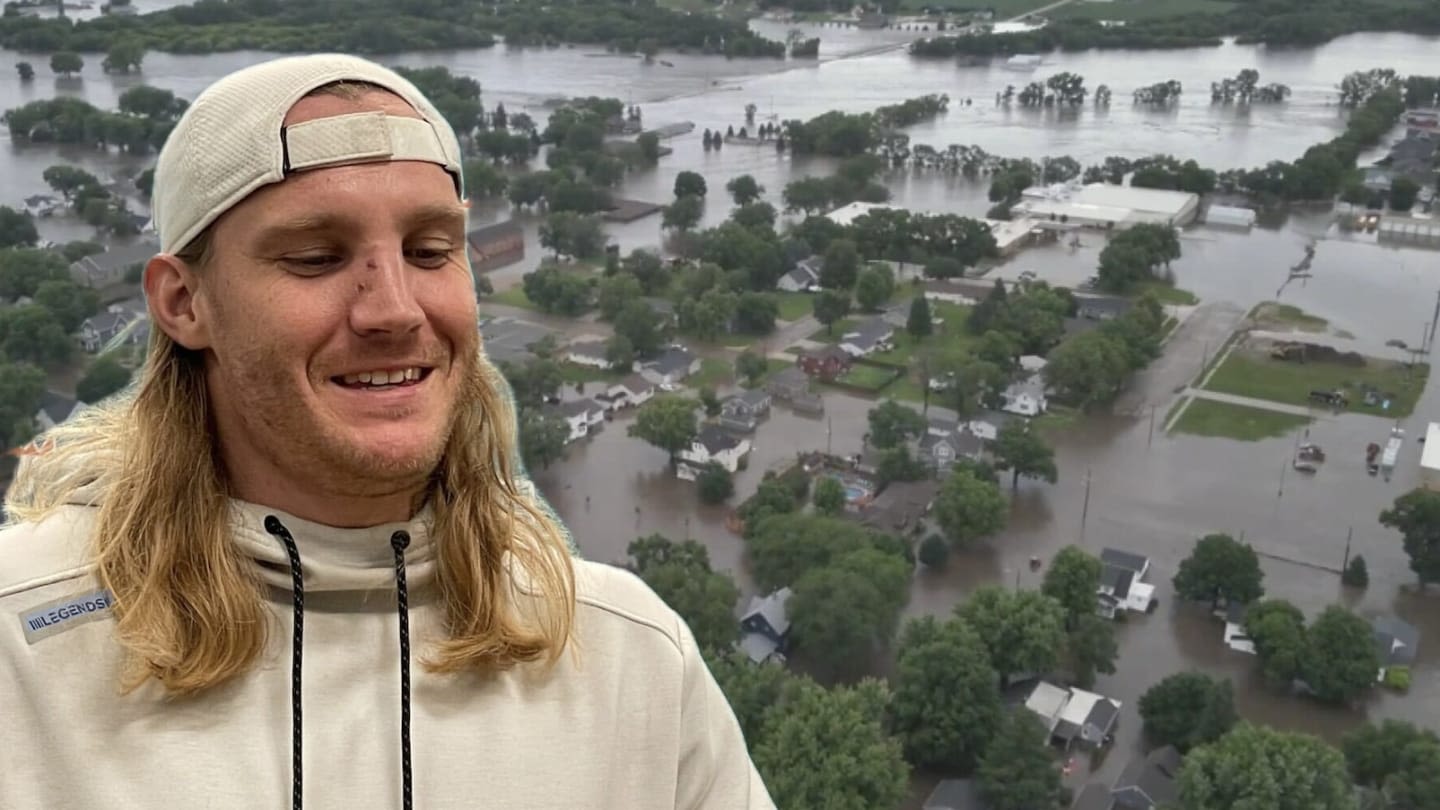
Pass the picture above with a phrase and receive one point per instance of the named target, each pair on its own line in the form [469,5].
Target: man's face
[342,320]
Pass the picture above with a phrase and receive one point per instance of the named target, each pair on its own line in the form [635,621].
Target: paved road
[1040,10]
[1252,402]
[1194,342]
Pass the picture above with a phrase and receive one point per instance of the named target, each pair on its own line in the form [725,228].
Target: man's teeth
[383,377]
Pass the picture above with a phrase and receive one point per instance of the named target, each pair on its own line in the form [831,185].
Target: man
[216,580]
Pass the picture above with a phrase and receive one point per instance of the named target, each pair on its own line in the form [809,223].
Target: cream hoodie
[636,723]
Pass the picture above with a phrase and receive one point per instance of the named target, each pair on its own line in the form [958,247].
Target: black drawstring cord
[399,541]
[275,527]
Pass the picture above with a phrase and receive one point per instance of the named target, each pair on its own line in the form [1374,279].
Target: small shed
[1227,216]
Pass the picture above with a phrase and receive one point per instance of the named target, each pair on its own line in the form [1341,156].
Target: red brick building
[827,363]
[495,246]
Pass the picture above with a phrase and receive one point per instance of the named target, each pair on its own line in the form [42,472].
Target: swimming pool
[854,490]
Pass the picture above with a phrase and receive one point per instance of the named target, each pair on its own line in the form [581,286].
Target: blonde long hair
[188,606]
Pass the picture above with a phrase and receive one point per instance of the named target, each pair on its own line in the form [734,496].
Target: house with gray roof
[1122,583]
[804,277]
[956,794]
[1074,716]
[1396,642]
[98,330]
[631,392]
[55,409]
[589,353]
[1148,782]
[743,411]
[105,269]
[712,443]
[765,627]
[1026,397]
[671,368]
[511,340]
[873,335]
[584,417]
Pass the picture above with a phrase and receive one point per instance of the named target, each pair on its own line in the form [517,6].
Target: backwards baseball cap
[233,140]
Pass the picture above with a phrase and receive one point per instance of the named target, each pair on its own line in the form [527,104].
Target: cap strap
[360,138]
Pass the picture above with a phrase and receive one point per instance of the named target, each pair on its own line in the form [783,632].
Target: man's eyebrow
[446,215]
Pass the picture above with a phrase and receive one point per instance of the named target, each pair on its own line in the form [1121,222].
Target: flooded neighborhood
[1285,404]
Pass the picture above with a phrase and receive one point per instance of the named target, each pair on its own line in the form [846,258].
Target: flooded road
[1148,493]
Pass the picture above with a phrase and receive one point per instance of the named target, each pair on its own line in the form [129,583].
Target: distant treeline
[386,26]
[1295,23]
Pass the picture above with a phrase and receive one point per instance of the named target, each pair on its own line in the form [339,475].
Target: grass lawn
[574,373]
[868,377]
[1221,419]
[713,373]
[1056,418]
[794,305]
[1139,9]
[837,331]
[771,366]
[1247,374]
[514,297]
[1280,317]
[1168,294]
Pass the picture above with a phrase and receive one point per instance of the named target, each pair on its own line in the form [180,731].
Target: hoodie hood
[334,559]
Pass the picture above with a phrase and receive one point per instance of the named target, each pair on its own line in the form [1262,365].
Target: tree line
[1292,23]
[374,27]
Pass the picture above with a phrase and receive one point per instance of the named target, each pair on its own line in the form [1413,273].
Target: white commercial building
[846,214]
[1430,458]
[1010,235]
[1101,205]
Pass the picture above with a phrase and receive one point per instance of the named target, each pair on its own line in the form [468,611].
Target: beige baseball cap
[232,140]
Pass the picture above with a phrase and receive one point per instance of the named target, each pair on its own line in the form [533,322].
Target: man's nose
[384,299]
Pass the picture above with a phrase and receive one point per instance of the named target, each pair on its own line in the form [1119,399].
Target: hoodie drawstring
[399,541]
[297,648]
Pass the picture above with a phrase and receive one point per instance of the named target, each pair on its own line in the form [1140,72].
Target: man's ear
[173,290]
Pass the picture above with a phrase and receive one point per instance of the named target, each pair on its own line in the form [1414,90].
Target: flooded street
[1147,492]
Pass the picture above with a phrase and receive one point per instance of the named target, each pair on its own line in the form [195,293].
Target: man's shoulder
[616,592]
[43,552]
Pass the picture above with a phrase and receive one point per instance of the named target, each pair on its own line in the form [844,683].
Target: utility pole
[829,430]
[1434,319]
[1085,510]
[1346,564]
[1151,440]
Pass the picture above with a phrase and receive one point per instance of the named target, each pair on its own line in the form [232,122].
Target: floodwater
[1138,490]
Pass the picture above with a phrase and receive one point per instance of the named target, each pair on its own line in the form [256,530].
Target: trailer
[1392,452]
[1430,458]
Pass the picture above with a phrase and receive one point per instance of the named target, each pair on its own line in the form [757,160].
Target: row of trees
[840,134]
[144,120]
[381,27]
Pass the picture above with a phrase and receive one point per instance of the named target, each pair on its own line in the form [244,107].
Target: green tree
[744,190]
[874,286]
[70,303]
[666,422]
[123,57]
[757,216]
[637,322]
[689,184]
[554,290]
[620,353]
[920,325]
[1188,709]
[1340,662]
[32,334]
[26,71]
[807,194]
[1021,451]
[751,367]
[893,424]
[946,707]
[709,401]
[1023,630]
[482,180]
[785,545]
[714,483]
[680,574]
[1220,569]
[21,388]
[1017,771]
[649,147]
[830,306]
[755,313]
[1090,648]
[65,63]
[683,214]
[1278,630]
[1416,515]
[70,181]
[841,265]
[1356,574]
[1397,758]
[568,233]
[542,438]
[829,750]
[17,228]
[1073,580]
[968,508]
[841,613]
[1403,192]
[1088,369]
[934,552]
[1255,766]
[104,377]
[829,496]
[756,692]
[614,292]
